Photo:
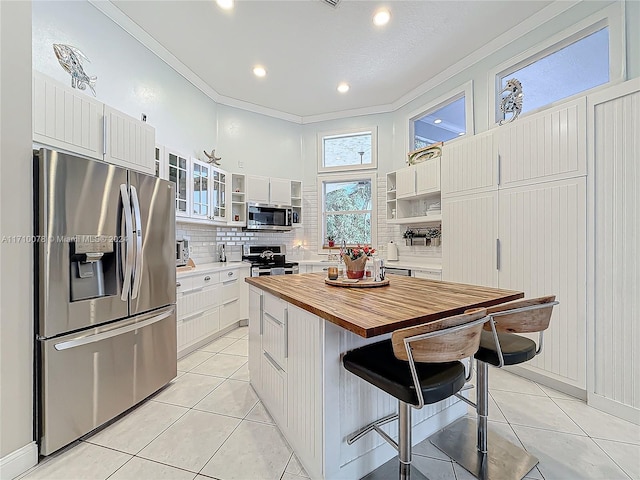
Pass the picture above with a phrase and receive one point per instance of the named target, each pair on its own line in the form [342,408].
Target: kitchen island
[299,327]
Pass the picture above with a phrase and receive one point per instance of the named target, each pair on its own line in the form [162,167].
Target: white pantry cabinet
[514,216]
[614,274]
[70,120]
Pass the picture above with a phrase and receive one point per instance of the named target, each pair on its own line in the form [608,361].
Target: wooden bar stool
[418,365]
[484,454]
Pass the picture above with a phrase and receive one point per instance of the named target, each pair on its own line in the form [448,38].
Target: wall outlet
[240,164]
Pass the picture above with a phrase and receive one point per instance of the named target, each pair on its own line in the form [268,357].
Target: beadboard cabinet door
[542,232]
[130,143]
[469,239]
[614,384]
[469,165]
[66,118]
[546,146]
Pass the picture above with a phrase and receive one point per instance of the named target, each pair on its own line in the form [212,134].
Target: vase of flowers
[355,260]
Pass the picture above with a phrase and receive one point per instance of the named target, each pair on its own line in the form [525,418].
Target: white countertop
[212,267]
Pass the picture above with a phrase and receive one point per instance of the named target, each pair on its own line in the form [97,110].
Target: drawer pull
[178,284]
[274,319]
[230,274]
[273,362]
[207,278]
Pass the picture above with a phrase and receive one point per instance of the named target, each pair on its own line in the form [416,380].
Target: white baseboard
[19,461]
[547,381]
[617,409]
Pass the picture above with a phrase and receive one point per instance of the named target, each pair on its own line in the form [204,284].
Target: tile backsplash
[204,240]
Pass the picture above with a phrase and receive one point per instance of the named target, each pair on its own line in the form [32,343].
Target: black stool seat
[377,364]
[515,349]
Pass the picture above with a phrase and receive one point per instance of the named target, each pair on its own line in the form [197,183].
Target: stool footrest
[503,461]
[371,427]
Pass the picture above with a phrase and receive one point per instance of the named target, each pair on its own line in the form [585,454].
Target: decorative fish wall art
[512,102]
[70,58]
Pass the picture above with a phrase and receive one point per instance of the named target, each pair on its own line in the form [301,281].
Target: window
[348,209]
[564,71]
[449,117]
[347,150]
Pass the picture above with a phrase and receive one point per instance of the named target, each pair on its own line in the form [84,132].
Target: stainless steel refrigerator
[105,293]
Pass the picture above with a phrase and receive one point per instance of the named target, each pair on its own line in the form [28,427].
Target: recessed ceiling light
[437,120]
[381,17]
[259,71]
[225,4]
[343,87]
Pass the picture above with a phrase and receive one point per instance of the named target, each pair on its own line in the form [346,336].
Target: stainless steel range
[268,260]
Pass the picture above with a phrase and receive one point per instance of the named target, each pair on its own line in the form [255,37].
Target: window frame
[373,130]
[612,17]
[466,90]
[371,176]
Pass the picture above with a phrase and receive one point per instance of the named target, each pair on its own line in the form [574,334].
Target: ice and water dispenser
[93,266]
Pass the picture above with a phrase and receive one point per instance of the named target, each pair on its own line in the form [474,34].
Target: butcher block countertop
[369,312]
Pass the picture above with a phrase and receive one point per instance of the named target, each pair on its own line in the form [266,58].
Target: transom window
[572,66]
[347,150]
[443,123]
[348,208]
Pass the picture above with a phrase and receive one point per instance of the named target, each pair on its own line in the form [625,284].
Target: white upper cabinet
[274,191]
[66,118]
[70,120]
[469,165]
[257,189]
[420,179]
[280,191]
[550,145]
[200,189]
[180,174]
[428,177]
[129,142]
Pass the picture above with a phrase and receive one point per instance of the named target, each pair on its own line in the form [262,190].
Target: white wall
[16,265]
[265,145]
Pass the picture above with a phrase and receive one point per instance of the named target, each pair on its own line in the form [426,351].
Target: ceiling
[308,47]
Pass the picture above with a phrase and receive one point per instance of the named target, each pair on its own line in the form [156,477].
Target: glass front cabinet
[179,174]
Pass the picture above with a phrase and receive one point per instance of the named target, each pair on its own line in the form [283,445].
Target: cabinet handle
[497,254]
[207,278]
[498,179]
[286,333]
[178,284]
[273,362]
[230,274]
[261,312]
[104,134]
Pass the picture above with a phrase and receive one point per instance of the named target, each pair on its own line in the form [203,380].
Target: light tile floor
[208,423]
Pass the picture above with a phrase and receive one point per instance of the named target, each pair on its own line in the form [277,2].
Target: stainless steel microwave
[182,252]
[268,217]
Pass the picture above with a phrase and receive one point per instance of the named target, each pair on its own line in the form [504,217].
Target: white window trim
[349,168]
[371,176]
[612,16]
[465,89]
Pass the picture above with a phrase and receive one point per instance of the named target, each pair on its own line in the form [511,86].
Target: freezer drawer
[90,377]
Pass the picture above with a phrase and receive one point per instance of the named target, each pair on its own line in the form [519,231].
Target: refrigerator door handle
[137,270]
[77,342]
[128,223]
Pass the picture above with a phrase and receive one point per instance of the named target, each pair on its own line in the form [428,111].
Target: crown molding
[137,32]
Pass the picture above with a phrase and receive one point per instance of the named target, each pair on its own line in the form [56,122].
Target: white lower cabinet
[285,366]
[207,303]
